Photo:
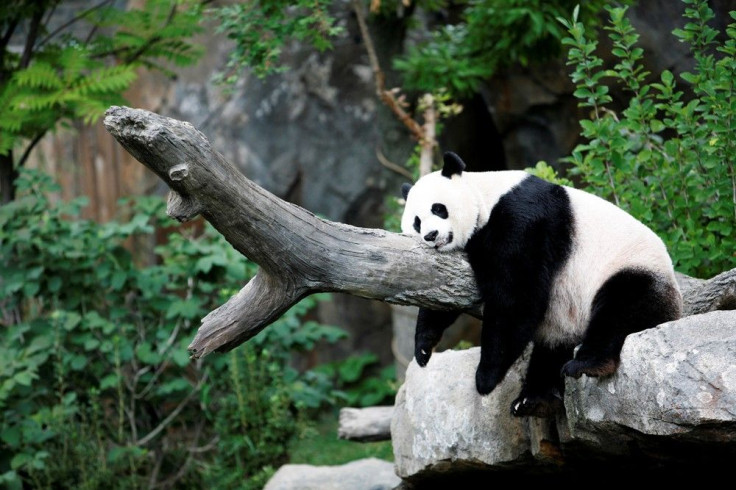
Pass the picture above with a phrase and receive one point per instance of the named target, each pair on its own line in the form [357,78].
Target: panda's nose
[431,236]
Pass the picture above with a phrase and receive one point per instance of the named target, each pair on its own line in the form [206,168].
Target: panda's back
[606,240]
[588,240]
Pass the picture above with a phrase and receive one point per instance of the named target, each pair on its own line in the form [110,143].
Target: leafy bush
[492,34]
[261,29]
[668,158]
[96,384]
[357,388]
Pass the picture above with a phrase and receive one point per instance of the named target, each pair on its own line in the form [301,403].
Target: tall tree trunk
[8,174]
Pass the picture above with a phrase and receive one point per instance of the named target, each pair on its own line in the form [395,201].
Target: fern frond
[38,75]
[106,80]
[35,102]
[89,110]
[75,62]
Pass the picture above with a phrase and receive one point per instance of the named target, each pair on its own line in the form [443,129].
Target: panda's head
[440,208]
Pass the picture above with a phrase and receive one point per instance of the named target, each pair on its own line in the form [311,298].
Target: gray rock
[440,421]
[365,424]
[670,407]
[364,474]
[677,380]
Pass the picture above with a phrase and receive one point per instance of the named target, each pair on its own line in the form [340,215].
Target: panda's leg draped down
[542,392]
[629,301]
[430,326]
[516,256]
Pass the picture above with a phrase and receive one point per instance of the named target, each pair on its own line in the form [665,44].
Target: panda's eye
[439,210]
[417,224]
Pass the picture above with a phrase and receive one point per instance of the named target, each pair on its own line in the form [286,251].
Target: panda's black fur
[518,256]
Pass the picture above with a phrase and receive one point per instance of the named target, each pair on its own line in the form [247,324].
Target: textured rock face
[671,407]
[439,419]
[676,380]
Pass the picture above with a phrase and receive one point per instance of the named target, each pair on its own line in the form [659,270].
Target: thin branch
[5,39]
[429,129]
[174,413]
[395,167]
[33,31]
[72,21]
[27,152]
[386,96]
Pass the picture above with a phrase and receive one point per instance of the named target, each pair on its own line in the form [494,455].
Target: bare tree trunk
[298,253]
[7,178]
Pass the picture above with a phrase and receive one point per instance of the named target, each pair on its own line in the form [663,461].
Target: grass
[320,446]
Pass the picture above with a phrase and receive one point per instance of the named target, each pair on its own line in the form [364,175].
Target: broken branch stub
[298,252]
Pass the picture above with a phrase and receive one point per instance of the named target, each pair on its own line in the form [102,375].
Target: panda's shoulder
[525,187]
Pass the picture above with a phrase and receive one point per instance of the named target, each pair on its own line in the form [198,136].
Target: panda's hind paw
[591,367]
[536,406]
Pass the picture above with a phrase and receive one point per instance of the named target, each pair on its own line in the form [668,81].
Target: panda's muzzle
[432,237]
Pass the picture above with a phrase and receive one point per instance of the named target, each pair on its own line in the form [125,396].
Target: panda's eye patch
[417,224]
[439,210]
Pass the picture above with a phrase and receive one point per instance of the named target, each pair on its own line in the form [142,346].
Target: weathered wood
[298,252]
[702,296]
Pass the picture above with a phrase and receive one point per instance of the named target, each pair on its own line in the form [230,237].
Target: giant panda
[556,266]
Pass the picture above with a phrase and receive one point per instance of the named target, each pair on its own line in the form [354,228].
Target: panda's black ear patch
[454,165]
[405,187]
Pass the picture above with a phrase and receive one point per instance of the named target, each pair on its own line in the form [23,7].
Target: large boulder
[670,408]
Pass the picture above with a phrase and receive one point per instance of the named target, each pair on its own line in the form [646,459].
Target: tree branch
[704,295]
[298,253]
[386,96]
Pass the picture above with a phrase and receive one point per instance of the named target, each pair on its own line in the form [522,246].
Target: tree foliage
[262,28]
[96,382]
[491,35]
[77,69]
[667,158]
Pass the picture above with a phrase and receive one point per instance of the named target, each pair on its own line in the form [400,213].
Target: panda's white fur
[606,242]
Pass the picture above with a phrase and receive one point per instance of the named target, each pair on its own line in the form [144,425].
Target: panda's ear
[405,189]
[453,165]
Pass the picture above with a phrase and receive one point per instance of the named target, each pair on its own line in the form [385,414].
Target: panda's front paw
[422,355]
[486,380]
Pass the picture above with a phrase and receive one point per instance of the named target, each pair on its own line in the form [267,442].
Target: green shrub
[491,34]
[96,384]
[667,158]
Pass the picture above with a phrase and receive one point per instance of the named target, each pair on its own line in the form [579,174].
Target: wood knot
[179,172]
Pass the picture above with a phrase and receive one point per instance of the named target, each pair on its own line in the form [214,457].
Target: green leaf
[656,125]
[11,436]
[181,357]
[20,460]
[25,378]
[109,381]
[184,308]
[78,362]
[145,353]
